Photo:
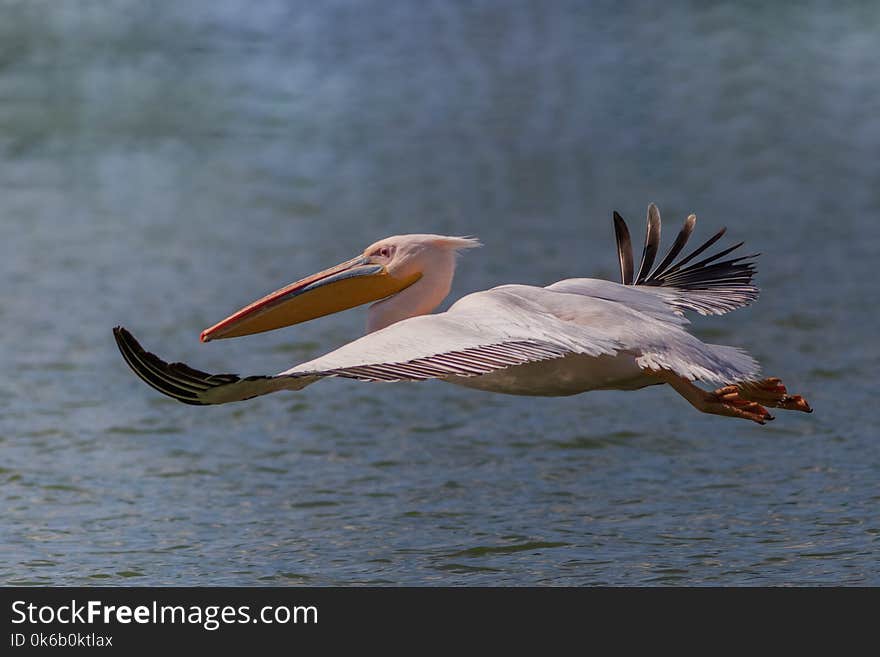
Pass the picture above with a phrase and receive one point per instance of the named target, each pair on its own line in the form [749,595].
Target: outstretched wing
[710,286]
[416,349]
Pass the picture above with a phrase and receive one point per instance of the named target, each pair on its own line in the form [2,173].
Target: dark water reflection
[165,163]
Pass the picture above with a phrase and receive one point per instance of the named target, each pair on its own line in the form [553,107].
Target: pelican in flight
[570,337]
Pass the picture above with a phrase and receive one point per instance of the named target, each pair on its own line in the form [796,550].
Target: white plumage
[573,336]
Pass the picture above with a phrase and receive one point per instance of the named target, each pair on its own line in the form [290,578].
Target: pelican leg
[725,401]
[772,392]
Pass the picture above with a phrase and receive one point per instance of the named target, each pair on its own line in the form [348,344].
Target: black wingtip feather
[624,249]
[681,240]
[176,380]
[652,244]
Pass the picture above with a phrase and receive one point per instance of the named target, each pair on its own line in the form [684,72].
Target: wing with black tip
[710,286]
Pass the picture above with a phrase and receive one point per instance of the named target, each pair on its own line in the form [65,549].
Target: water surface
[165,163]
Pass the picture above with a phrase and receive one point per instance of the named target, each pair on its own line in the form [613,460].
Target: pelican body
[573,336]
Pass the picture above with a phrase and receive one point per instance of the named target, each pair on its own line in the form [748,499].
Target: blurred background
[164,163]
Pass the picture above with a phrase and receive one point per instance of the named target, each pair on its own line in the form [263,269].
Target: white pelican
[576,335]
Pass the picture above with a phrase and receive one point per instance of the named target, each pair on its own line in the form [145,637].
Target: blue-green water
[165,163]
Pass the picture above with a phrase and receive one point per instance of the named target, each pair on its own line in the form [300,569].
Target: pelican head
[408,274]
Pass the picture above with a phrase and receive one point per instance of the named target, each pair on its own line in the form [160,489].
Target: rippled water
[163,164]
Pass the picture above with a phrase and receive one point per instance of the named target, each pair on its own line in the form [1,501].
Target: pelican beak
[346,285]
